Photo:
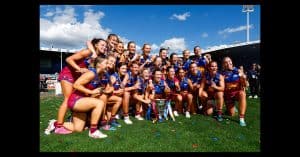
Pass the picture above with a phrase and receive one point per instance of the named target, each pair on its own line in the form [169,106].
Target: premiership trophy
[160,104]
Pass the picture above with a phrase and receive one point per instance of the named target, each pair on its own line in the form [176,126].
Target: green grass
[198,134]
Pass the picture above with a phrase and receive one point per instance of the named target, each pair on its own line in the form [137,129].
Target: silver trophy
[160,104]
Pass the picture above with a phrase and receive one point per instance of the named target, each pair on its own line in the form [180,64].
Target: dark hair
[161,49]
[121,64]
[209,64]
[155,70]
[196,47]
[207,54]
[170,67]
[184,51]
[172,54]
[130,42]
[96,41]
[112,35]
[145,45]
[179,70]
[192,63]
[120,42]
[225,58]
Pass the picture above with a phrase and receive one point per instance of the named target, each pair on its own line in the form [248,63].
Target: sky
[177,27]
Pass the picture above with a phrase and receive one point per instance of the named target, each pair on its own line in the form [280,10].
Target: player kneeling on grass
[212,88]
[235,83]
[81,102]
[77,64]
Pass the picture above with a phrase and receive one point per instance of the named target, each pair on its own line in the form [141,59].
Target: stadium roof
[220,47]
[58,49]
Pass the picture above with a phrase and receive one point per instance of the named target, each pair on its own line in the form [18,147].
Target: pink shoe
[108,127]
[62,130]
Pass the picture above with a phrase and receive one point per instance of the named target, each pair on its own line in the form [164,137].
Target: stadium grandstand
[52,60]
[241,53]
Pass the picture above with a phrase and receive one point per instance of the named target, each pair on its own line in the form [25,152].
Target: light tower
[248,9]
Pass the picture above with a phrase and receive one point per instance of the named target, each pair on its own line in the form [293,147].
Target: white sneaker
[187,114]
[242,122]
[139,117]
[117,116]
[255,96]
[250,97]
[176,113]
[50,127]
[127,120]
[97,134]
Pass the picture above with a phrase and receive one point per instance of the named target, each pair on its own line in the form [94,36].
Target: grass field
[198,134]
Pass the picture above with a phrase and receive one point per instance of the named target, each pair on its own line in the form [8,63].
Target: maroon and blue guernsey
[171,83]
[232,86]
[144,59]
[68,73]
[184,84]
[159,87]
[195,78]
[118,82]
[232,79]
[95,83]
[131,79]
[143,85]
[215,79]
[209,79]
